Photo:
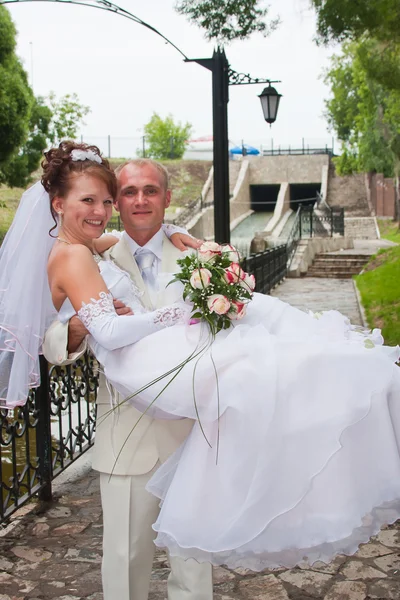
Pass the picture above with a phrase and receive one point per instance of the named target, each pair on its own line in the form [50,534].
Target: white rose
[209,251]
[231,252]
[200,279]
[248,282]
[219,304]
[237,310]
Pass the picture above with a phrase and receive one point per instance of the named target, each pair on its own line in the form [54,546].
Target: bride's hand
[183,241]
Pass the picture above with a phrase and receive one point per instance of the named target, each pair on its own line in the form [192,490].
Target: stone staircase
[348,192]
[360,228]
[338,266]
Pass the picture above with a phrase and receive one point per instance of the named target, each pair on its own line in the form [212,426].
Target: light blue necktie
[145,261]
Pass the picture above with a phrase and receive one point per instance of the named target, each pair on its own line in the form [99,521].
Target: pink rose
[230,252]
[218,303]
[209,251]
[237,311]
[248,282]
[233,273]
[200,278]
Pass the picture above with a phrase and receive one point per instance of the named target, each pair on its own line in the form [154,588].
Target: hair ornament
[85,155]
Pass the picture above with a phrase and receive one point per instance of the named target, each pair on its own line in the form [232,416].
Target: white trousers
[128,549]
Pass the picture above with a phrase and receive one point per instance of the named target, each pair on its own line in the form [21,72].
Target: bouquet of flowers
[216,284]
[219,290]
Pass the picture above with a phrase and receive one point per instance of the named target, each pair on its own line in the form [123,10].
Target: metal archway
[109,7]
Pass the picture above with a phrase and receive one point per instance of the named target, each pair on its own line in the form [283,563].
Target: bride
[295,449]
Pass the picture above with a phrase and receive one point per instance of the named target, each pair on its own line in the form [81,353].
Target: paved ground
[316,294]
[55,551]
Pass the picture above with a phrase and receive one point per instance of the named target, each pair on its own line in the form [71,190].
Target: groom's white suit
[128,509]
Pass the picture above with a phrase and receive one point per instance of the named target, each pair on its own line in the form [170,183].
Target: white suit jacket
[118,448]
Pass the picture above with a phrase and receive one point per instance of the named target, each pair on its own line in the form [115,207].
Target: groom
[129,511]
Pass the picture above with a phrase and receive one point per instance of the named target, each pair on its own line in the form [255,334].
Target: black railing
[296,151]
[41,439]
[268,267]
[115,223]
[294,236]
[321,223]
[188,212]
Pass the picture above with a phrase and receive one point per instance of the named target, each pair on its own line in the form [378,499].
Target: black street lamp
[270,103]
[222,77]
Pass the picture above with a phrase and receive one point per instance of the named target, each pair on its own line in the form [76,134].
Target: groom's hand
[77,331]
[121,308]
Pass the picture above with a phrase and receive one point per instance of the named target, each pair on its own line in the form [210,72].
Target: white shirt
[154,245]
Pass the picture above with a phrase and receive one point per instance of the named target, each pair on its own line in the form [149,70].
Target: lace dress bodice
[120,285]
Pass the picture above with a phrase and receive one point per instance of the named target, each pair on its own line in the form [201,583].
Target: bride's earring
[60,219]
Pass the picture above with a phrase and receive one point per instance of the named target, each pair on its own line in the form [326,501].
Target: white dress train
[294,453]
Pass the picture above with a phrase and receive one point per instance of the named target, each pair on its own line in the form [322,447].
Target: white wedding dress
[294,453]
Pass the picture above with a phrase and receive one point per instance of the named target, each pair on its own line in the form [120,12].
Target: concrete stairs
[339,266]
[360,228]
[348,192]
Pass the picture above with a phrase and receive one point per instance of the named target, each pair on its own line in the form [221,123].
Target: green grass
[9,200]
[390,230]
[379,286]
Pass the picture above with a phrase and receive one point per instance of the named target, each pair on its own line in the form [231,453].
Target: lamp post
[222,77]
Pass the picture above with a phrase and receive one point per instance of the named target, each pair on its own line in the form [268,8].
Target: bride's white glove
[112,331]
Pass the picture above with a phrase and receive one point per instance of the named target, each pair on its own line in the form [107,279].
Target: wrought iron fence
[297,151]
[188,212]
[321,223]
[115,223]
[294,236]
[41,439]
[268,267]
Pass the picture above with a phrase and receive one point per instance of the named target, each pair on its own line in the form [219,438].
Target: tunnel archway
[263,197]
[304,194]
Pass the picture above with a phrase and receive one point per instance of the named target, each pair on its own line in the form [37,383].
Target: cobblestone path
[55,552]
[318,294]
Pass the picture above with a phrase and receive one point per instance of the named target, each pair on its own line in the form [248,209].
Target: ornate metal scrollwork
[236,78]
[72,396]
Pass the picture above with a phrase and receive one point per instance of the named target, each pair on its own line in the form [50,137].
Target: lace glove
[112,331]
[170,229]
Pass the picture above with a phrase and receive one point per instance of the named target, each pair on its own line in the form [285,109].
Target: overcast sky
[125,72]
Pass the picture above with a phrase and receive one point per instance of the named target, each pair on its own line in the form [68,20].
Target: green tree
[51,121]
[68,115]
[375,21]
[165,138]
[340,20]
[363,112]
[227,20]
[16,97]
[17,171]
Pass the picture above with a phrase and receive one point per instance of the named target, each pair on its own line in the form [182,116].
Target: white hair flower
[85,155]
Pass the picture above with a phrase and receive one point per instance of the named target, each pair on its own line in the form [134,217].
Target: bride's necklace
[60,239]
[96,256]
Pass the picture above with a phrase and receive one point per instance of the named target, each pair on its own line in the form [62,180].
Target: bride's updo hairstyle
[70,160]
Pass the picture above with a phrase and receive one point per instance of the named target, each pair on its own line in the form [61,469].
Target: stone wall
[306,168]
[202,225]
